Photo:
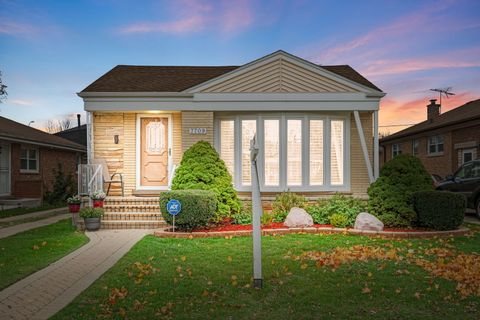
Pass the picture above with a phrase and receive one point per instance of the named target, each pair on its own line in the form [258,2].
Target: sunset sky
[49,50]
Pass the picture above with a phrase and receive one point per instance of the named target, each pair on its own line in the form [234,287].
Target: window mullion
[283,152]
[326,156]
[305,152]
[238,152]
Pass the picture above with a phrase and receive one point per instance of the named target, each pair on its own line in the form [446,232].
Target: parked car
[466,180]
[436,180]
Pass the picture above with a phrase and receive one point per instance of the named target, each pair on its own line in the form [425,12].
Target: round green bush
[338,204]
[202,169]
[439,210]
[391,196]
[339,220]
[198,208]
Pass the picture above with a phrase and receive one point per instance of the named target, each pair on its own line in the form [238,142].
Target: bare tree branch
[3,89]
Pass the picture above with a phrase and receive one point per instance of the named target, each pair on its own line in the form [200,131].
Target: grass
[30,219]
[19,211]
[30,251]
[211,279]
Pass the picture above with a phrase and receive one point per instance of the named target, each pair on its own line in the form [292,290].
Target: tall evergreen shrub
[201,168]
[391,196]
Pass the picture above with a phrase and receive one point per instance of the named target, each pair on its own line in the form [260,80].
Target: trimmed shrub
[339,220]
[284,202]
[339,204]
[202,169]
[198,208]
[63,188]
[391,196]
[245,215]
[439,210]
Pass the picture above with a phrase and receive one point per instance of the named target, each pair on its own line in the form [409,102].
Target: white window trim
[399,150]
[436,153]
[138,186]
[37,158]
[305,117]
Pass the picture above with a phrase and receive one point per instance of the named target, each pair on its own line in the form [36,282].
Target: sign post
[174,207]
[257,213]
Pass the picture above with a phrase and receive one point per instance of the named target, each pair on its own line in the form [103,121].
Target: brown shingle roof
[468,111]
[125,78]
[10,129]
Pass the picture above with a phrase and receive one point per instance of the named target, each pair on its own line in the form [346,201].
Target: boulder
[298,217]
[366,221]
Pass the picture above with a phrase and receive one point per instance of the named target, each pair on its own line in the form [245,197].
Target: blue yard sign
[174,207]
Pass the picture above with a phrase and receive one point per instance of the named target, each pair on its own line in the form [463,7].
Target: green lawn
[19,211]
[211,278]
[30,251]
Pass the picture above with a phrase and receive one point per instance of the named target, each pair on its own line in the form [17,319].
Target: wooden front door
[154,152]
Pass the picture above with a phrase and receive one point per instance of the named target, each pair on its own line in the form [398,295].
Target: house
[317,125]
[78,135]
[28,158]
[443,142]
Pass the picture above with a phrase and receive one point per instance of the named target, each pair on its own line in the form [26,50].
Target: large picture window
[298,152]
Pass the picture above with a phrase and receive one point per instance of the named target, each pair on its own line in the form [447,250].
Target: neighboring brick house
[28,158]
[443,142]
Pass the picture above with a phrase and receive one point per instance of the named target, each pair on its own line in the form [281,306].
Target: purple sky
[49,50]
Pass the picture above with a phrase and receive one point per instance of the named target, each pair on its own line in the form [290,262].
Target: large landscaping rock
[298,217]
[366,221]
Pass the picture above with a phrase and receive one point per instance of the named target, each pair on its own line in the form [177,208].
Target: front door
[154,151]
[4,169]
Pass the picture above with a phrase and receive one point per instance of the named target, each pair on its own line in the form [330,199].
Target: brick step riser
[131,209]
[105,224]
[131,217]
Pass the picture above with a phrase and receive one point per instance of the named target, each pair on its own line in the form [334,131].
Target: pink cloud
[191,16]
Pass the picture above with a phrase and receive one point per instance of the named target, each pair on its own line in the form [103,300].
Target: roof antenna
[445,91]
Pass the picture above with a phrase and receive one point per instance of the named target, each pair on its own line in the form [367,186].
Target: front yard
[30,251]
[306,276]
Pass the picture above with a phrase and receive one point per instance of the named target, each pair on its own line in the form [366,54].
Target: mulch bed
[227,230]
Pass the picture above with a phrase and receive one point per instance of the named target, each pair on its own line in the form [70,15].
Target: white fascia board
[293,97]
[167,95]
[125,106]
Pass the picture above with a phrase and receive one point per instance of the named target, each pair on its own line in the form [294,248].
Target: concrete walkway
[37,214]
[10,231]
[44,293]
[472,220]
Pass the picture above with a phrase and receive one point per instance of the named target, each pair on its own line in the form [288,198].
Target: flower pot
[73,208]
[98,203]
[92,224]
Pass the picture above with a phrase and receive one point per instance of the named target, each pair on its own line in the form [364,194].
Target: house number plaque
[197,130]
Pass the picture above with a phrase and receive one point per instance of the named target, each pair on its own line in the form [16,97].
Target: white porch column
[376,162]
[361,135]
[90,149]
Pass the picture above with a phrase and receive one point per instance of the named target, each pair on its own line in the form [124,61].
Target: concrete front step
[133,216]
[133,224]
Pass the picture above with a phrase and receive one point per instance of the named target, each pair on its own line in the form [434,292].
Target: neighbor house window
[435,145]
[29,160]
[298,152]
[396,150]
[415,144]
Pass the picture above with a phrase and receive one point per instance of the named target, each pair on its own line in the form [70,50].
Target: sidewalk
[10,231]
[44,293]
[37,214]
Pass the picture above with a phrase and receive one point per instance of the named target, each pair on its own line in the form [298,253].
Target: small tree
[201,168]
[391,196]
[63,187]
[3,89]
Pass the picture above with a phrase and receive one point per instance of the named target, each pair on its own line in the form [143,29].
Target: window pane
[32,164]
[316,152]
[227,144]
[272,152]
[440,147]
[23,154]
[249,128]
[23,164]
[294,152]
[336,152]
[33,154]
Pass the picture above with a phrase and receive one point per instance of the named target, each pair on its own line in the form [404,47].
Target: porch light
[115,139]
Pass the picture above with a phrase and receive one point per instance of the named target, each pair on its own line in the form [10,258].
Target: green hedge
[324,209]
[439,210]
[202,169]
[198,208]
[391,196]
